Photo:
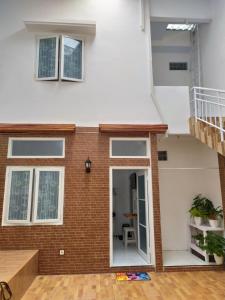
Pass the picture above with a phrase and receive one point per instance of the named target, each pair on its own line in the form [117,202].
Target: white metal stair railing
[208,106]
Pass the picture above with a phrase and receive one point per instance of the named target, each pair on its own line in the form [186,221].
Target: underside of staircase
[207,134]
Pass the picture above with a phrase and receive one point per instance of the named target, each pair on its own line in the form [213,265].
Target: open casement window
[47,58]
[71,59]
[33,195]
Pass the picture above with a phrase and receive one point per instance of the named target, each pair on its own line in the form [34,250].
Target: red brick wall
[221,161]
[156,203]
[85,233]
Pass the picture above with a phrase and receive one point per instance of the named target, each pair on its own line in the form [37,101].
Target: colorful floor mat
[135,276]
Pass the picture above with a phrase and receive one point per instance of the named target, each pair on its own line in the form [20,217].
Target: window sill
[32,224]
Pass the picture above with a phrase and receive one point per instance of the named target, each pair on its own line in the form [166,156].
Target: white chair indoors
[129,236]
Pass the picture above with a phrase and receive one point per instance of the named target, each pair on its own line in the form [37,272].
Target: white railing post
[195,102]
[209,107]
[220,117]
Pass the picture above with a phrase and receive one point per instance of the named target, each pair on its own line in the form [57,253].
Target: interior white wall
[191,169]
[169,46]
[212,48]
[121,198]
[117,86]
[180,9]
[162,56]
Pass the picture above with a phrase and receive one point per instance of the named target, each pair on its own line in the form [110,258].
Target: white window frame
[62,59]
[61,193]
[8,181]
[38,38]
[130,139]
[33,196]
[10,144]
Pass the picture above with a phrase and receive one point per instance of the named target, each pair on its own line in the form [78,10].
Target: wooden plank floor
[168,286]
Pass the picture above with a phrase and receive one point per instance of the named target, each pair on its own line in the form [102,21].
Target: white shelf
[204,229]
[70,26]
[207,228]
[197,249]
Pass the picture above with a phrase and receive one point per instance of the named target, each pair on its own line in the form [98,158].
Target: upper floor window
[36,148]
[129,147]
[59,57]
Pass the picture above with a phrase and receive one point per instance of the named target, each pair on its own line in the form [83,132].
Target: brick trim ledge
[29,128]
[115,128]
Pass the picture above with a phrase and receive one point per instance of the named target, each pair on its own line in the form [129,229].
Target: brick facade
[221,162]
[85,233]
[156,203]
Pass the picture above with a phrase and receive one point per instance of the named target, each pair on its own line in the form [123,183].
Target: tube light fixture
[181,27]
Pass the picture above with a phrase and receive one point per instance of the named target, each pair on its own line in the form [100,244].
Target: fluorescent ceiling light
[181,27]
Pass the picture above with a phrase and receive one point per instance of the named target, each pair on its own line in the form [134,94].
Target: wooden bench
[18,268]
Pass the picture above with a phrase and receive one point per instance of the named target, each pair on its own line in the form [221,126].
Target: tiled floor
[126,257]
[181,258]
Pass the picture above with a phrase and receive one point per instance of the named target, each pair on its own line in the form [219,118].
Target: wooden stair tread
[207,134]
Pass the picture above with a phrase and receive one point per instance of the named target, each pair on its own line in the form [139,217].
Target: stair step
[207,134]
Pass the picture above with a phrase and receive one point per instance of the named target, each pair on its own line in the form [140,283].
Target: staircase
[208,122]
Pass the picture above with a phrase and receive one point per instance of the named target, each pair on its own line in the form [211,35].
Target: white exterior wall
[174,105]
[191,169]
[169,46]
[117,86]
[161,59]
[212,45]
[179,10]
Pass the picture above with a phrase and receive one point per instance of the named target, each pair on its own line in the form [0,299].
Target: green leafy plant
[214,244]
[202,203]
[215,213]
[201,206]
[195,212]
[199,238]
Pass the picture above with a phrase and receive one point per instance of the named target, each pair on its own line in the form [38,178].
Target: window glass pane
[129,148]
[47,57]
[142,216]
[37,148]
[19,195]
[143,240]
[72,58]
[141,187]
[48,195]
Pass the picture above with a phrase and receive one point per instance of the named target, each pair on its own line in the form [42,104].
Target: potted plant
[200,208]
[214,215]
[214,244]
[199,240]
[197,215]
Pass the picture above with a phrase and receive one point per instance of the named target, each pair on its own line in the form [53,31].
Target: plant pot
[219,259]
[214,223]
[198,221]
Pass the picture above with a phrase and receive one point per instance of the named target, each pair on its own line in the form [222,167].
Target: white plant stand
[204,229]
